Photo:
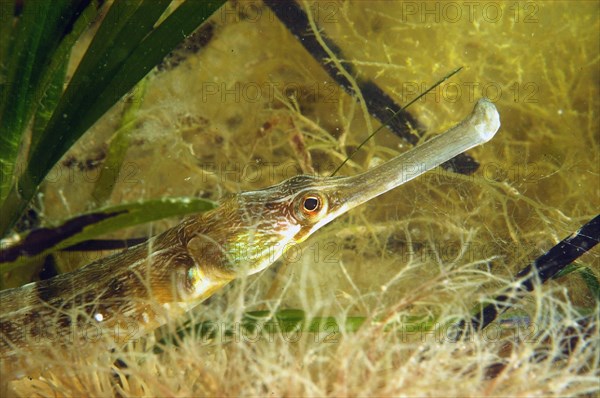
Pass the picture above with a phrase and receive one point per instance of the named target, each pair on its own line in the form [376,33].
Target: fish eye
[310,205]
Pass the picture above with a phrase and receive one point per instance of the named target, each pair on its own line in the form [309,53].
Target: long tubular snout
[479,127]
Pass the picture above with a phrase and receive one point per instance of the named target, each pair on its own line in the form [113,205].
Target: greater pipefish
[146,285]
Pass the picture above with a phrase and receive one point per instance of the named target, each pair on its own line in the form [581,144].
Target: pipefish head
[253,229]
[249,231]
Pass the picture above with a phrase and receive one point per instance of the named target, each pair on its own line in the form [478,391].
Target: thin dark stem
[387,122]
[379,104]
[542,269]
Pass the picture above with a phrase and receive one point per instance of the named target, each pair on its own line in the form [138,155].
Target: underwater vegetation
[119,118]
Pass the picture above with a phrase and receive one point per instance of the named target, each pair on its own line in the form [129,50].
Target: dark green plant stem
[43,241]
[379,103]
[543,268]
[448,76]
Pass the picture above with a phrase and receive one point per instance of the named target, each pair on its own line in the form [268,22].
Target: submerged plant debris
[245,106]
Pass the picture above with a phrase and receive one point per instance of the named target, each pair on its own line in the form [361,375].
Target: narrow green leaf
[76,113]
[117,148]
[72,118]
[566,271]
[124,28]
[6,37]
[254,323]
[39,31]
[106,37]
[49,100]
[44,241]
[50,87]
[591,280]
[17,91]
[133,33]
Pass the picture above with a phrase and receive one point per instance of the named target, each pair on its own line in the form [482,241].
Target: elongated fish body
[116,298]
[123,296]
